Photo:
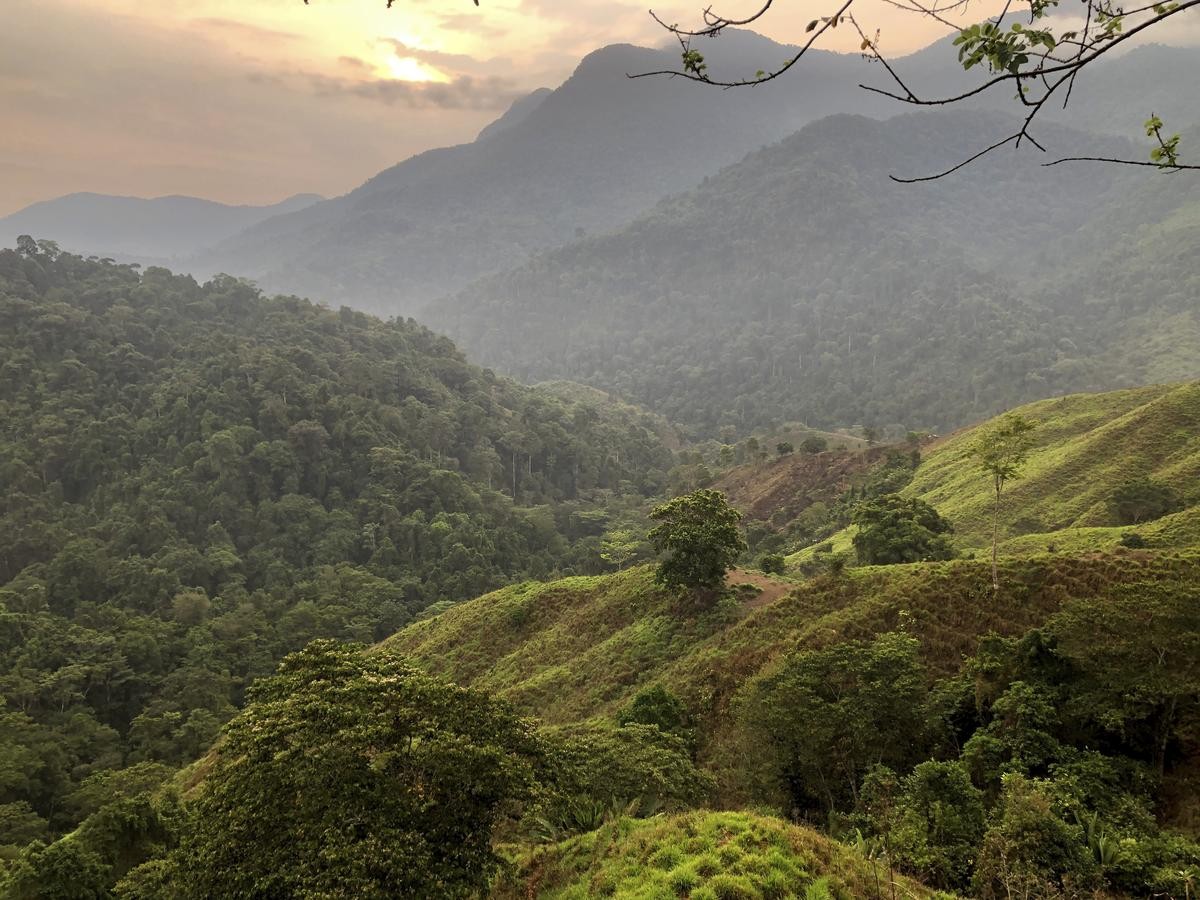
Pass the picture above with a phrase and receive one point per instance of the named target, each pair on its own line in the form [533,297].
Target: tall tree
[354,774]
[698,538]
[1001,452]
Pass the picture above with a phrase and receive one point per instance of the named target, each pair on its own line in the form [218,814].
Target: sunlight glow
[405,68]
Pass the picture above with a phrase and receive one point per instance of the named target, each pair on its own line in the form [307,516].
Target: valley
[657,496]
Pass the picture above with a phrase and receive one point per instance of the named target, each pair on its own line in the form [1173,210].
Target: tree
[1038,60]
[1029,851]
[1001,451]
[784,448]
[932,820]
[894,529]
[1140,653]
[773,563]
[356,774]
[619,546]
[658,707]
[825,717]
[1142,500]
[814,444]
[698,538]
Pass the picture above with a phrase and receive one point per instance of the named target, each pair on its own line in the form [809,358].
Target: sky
[251,101]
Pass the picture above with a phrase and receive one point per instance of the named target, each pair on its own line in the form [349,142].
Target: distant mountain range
[802,284]
[132,228]
[583,158]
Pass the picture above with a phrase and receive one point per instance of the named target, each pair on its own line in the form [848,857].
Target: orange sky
[253,100]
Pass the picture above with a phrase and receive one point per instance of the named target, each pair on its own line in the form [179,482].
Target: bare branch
[961,165]
[1162,167]
[1008,52]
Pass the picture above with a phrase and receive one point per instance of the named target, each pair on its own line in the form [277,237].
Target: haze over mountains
[586,157]
[804,284]
[160,229]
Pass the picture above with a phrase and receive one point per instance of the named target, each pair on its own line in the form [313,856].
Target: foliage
[1030,851]
[699,540]
[658,707]
[200,480]
[700,855]
[595,771]
[931,820]
[355,774]
[1143,500]
[893,529]
[773,563]
[827,716]
[814,444]
[1139,660]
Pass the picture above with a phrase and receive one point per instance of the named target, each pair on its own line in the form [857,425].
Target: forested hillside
[200,479]
[804,285]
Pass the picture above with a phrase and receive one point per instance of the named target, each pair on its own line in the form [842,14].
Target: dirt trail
[771,589]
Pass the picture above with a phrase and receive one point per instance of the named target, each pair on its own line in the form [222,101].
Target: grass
[581,648]
[702,856]
[1087,445]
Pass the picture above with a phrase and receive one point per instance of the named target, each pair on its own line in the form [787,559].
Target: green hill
[581,648]
[703,856]
[1086,447]
[199,479]
[802,284]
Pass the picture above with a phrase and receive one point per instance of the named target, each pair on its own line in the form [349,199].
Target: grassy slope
[701,855]
[581,648]
[1087,446]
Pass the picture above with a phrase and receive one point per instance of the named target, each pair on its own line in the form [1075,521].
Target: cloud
[246,31]
[457,63]
[462,93]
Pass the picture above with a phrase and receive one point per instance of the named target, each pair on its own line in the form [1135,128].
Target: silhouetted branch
[1007,52]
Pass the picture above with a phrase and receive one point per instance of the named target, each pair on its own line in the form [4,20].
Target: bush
[895,529]
[772,563]
[1030,851]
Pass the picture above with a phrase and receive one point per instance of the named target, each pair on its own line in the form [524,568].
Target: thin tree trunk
[996,540]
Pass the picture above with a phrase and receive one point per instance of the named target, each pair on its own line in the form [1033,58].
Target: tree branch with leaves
[1023,47]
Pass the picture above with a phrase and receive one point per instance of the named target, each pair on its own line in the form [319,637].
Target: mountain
[585,157]
[803,284]
[600,149]
[136,229]
[199,480]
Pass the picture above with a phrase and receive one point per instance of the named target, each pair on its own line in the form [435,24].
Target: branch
[828,23]
[1048,74]
[963,164]
[1175,167]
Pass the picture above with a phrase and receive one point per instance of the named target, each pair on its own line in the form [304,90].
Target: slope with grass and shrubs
[703,856]
[1087,447]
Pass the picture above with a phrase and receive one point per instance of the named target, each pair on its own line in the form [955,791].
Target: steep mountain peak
[516,114]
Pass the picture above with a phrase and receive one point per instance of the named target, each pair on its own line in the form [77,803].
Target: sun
[405,68]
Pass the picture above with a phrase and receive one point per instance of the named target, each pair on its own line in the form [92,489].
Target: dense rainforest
[803,284]
[198,479]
